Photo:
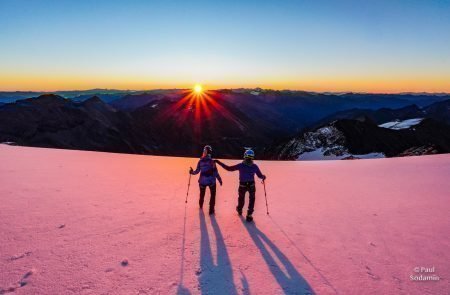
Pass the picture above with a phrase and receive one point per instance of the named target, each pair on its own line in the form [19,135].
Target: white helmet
[249,154]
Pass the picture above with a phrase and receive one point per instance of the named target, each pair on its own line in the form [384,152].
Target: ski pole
[189,184]
[265,195]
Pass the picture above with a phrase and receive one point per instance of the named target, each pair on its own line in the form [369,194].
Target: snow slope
[405,124]
[75,222]
[320,154]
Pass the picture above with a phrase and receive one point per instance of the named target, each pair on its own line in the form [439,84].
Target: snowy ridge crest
[329,140]
[325,143]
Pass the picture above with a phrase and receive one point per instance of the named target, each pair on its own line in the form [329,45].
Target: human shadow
[291,282]
[214,278]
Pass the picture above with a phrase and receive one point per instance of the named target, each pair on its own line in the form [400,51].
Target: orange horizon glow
[369,84]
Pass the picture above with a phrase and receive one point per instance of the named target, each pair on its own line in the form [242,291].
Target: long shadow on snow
[292,282]
[214,279]
[182,290]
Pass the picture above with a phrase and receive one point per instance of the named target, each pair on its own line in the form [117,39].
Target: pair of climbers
[209,173]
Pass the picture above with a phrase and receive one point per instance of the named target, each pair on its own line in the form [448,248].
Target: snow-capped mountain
[325,143]
[328,141]
[362,138]
[364,133]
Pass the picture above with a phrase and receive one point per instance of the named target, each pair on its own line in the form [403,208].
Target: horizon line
[232,88]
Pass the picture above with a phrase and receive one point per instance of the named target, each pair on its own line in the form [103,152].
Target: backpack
[209,172]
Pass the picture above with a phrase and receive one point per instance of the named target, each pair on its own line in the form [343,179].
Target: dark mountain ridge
[438,110]
[53,121]
[155,128]
[160,123]
[362,136]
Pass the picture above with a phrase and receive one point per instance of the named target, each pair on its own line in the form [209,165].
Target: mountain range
[275,123]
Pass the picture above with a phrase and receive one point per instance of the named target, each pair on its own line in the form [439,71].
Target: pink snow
[74,222]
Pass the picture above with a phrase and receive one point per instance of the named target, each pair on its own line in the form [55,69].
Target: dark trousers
[212,200]
[250,188]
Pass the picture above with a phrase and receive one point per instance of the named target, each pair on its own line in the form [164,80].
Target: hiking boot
[249,218]
[239,211]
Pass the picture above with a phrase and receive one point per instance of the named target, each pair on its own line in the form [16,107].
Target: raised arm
[226,167]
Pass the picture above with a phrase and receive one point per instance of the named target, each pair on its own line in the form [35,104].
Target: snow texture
[76,222]
[405,124]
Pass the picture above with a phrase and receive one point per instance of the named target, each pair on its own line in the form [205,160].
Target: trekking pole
[189,184]
[265,195]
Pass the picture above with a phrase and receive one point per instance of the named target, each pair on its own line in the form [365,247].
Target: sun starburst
[198,88]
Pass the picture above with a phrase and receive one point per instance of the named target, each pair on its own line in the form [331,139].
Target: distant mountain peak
[94,100]
[50,96]
[47,99]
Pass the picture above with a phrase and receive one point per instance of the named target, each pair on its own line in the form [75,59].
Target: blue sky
[385,46]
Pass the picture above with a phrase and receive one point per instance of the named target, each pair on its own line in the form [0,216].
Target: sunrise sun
[198,88]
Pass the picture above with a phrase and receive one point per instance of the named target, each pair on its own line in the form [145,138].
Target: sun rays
[201,109]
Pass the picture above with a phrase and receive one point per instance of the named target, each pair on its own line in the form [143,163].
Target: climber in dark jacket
[247,170]
[208,175]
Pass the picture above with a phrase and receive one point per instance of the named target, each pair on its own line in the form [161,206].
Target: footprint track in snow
[21,283]
[19,256]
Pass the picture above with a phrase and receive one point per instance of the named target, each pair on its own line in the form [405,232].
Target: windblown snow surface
[74,222]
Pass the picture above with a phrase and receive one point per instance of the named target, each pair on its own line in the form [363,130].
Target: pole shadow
[292,282]
[245,286]
[214,278]
[182,290]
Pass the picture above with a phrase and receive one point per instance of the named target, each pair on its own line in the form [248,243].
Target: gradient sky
[372,46]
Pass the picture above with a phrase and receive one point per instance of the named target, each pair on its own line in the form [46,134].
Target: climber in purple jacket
[208,175]
[247,170]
